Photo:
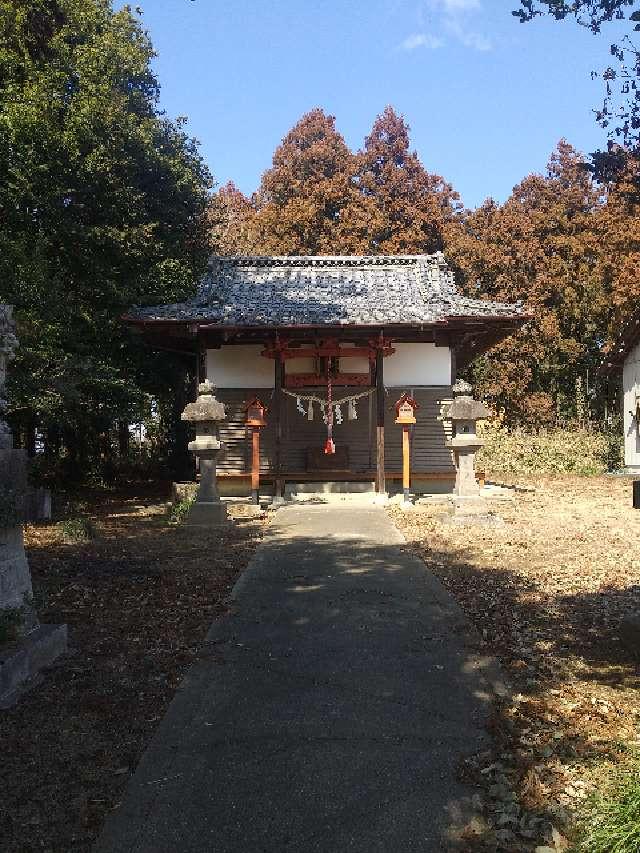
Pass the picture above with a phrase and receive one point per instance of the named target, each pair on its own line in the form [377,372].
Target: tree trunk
[30,437]
[181,461]
[123,440]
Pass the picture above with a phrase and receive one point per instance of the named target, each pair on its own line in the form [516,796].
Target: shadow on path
[330,711]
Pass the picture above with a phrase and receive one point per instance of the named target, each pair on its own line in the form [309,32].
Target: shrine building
[328,345]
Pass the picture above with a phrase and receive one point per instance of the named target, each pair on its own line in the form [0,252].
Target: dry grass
[138,601]
[547,593]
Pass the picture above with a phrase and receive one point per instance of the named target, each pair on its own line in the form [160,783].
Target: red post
[256,413]
[255,465]
[406,473]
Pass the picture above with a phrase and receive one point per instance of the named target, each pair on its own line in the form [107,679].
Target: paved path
[330,712]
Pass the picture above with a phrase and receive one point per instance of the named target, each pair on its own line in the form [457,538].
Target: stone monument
[464,412]
[25,645]
[206,413]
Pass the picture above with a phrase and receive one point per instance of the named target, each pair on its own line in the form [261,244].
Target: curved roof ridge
[325,260]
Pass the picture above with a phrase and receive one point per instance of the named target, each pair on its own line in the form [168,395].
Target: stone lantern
[464,412]
[206,413]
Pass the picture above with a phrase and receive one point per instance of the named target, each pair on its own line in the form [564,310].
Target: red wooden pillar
[381,485]
[406,468]
[277,415]
[256,412]
[255,465]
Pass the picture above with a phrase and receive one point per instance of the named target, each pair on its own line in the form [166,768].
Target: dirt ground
[550,593]
[137,601]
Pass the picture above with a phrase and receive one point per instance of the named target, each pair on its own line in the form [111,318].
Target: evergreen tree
[102,206]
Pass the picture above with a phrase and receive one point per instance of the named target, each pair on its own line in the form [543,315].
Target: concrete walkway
[330,712]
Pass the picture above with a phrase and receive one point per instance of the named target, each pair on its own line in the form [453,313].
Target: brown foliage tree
[302,196]
[320,198]
[618,226]
[405,208]
[541,247]
[232,221]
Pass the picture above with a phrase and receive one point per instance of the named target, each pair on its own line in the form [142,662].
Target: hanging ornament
[299,405]
[352,413]
[310,410]
[329,447]
[338,411]
[323,411]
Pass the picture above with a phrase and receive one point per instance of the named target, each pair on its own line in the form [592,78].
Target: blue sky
[487,98]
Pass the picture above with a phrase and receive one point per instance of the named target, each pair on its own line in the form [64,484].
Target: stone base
[381,498]
[471,510]
[22,660]
[472,505]
[252,510]
[204,514]
[330,487]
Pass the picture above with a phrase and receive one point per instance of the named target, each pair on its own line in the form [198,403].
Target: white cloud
[416,40]
[453,6]
[469,38]
[455,17]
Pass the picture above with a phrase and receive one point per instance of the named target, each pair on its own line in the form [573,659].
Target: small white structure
[631,403]
[625,357]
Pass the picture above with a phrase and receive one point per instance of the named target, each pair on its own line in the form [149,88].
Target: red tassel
[329,446]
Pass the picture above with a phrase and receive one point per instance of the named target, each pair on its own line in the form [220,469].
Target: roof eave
[207,325]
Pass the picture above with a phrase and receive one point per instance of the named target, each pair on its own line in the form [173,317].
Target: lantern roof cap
[206,407]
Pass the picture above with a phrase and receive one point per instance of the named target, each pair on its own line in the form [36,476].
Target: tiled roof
[327,290]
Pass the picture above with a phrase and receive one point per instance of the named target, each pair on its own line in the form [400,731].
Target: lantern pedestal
[464,452]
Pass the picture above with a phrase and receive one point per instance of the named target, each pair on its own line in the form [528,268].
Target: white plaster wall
[417,364]
[240,366]
[631,387]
